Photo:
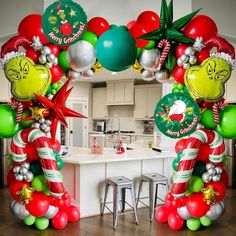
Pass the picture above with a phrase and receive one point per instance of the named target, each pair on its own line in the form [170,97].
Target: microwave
[100,126]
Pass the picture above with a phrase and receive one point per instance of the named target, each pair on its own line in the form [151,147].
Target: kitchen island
[85,173]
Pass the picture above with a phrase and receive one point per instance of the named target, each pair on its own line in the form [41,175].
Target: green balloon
[139,51]
[27,123]
[123,27]
[90,37]
[116,49]
[227,125]
[60,163]
[172,65]
[199,168]
[35,167]
[207,119]
[62,61]
[8,125]
[46,191]
[193,224]
[175,90]
[55,86]
[188,193]
[205,221]
[175,164]
[150,45]
[39,183]
[41,223]
[49,89]
[195,184]
[113,26]
[30,220]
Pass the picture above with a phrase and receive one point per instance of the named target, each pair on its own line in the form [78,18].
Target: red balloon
[10,177]
[38,205]
[196,206]
[150,19]
[225,178]
[33,55]
[54,144]
[203,153]
[175,221]
[98,25]
[168,201]
[201,26]
[54,49]
[31,26]
[219,187]
[60,220]
[31,151]
[131,24]
[67,202]
[180,145]
[16,187]
[180,49]
[57,73]
[73,213]
[202,55]
[162,214]
[178,74]
[137,31]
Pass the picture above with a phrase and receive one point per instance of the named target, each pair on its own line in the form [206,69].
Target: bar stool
[119,184]
[153,179]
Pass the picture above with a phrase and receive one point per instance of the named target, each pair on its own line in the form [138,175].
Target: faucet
[118,138]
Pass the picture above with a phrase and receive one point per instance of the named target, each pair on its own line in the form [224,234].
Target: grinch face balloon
[27,78]
[206,82]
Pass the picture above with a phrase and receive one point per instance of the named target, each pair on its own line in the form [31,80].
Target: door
[77,132]
[140,103]
[153,96]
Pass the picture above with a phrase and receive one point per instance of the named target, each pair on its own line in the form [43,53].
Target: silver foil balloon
[192,60]
[209,165]
[147,75]
[189,51]
[19,210]
[45,50]
[215,211]
[52,211]
[162,76]
[183,212]
[51,57]
[206,177]
[87,74]
[25,165]
[149,59]
[81,56]
[222,203]
[74,75]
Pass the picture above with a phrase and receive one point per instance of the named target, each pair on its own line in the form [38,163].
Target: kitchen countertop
[130,134]
[83,156]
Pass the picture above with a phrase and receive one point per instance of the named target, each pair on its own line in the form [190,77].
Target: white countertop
[83,156]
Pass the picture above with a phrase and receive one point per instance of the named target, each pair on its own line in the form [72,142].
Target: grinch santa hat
[59,10]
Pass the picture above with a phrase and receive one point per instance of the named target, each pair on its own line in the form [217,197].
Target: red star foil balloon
[57,109]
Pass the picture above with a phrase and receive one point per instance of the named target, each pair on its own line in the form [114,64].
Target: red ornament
[31,26]
[178,74]
[218,187]
[137,31]
[150,19]
[54,144]
[38,205]
[98,25]
[33,55]
[196,206]
[60,220]
[54,49]
[175,221]
[203,152]
[10,177]
[180,49]
[57,73]
[31,151]
[180,145]
[202,55]
[200,26]
[16,187]
[73,213]
[162,214]
[131,24]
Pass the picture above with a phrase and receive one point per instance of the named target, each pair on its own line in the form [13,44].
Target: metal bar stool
[119,184]
[153,179]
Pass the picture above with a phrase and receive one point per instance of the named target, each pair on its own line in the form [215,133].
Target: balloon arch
[61,42]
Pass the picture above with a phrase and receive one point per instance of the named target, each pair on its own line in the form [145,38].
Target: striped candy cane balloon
[47,160]
[186,165]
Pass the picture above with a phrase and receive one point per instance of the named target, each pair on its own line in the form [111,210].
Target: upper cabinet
[120,93]
[146,98]
[5,93]
[100,110]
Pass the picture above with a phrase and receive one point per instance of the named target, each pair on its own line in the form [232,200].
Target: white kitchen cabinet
[120,93]
[230,93]
[5,93]
[100,110]
[110,138]
[146,98]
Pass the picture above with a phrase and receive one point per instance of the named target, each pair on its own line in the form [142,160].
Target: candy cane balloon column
[186,165]
[47,160]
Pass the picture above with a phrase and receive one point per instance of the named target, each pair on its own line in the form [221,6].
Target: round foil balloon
[81,56]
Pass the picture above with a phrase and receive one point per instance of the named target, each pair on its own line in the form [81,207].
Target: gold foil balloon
[27,78]
[209,195]
[97,67]
[137,67]
[206,82]
[25,194]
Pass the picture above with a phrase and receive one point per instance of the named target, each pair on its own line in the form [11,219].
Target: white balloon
[19,210]
[215,211]
[183,212]
[52,211]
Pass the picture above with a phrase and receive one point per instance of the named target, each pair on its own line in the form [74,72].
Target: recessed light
[113,73]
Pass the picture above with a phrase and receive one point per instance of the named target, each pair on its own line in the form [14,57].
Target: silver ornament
[183,212]
[19,177]
[186,66]
[74,75]
[36,125]
[48,122]
[218,170]
[16,169]
[52,211]
[211,171]
[55,62]
[43,126]
[189,51]
[19,211]
[49,65]
[23,170]
[162,76]
[206,177]
[29,176]
[41,121]
[45,50]
[25,165]
[209,165]
[47,130]
[184,58]
[51,57]
[215,211]
[42,59]
[87,74]
[149,59]
[192,60]
[216,178]
[81,56]
[148,76]
[180,62]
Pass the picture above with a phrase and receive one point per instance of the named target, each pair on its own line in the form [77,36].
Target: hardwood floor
[102,226]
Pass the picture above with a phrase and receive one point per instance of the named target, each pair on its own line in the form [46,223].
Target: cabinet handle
[71,131]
